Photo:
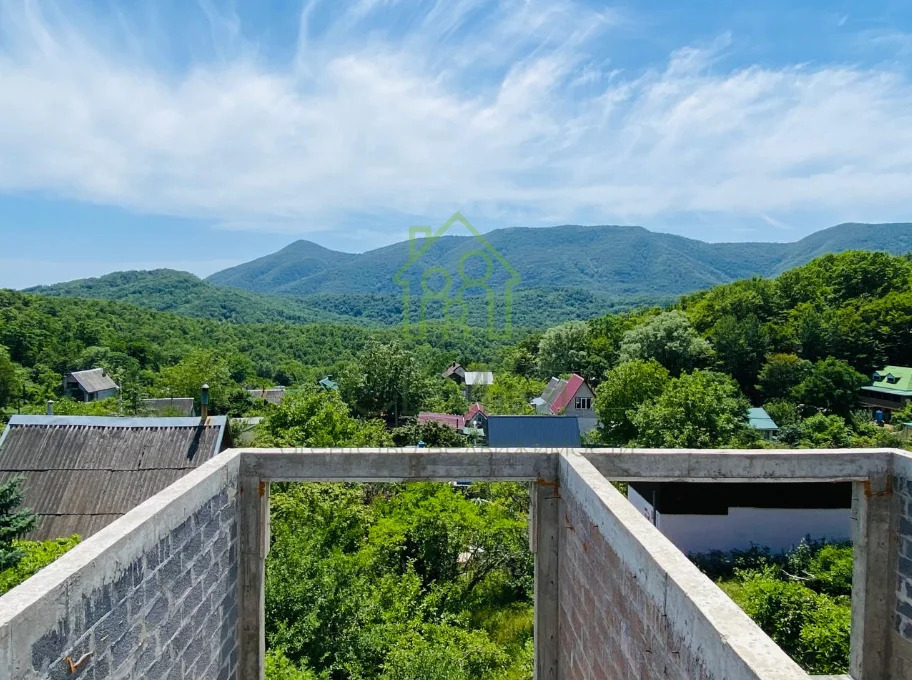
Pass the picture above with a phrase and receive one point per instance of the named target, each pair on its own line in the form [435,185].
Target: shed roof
[81,472]
[94,380]
[454,421]
[759,419]
[479,378]
[533,431]
[272,395]
[185,406]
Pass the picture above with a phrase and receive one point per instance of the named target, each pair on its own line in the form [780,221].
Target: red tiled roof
[456,422]
[563,399]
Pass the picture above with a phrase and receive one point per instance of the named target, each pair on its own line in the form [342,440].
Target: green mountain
[610,261]
[181,293]
[565,273]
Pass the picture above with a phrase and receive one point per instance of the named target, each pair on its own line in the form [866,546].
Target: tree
[433,434]
[824,432]
[700,410]
[740,344]
[511,394]
[563,349]
[625,388]
[315,418]
[832,385]
[384,379]
[9,380]
[13,523]
[670,339]
[199,367]
[781,374]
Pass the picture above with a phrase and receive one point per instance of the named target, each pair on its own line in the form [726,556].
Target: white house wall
[775,528]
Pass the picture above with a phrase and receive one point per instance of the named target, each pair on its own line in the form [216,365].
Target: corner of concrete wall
[633,606]
[152,595]
[901,642]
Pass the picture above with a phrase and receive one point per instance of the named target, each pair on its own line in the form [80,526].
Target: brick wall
[160,601]
[632,606]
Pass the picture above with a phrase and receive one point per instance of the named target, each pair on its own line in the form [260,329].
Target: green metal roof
[902,380]
[759,419]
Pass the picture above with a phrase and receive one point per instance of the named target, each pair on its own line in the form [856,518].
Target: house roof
[571,387]
[184,406]
[473,409]
[82,473]
[552,390]
[94,380]
[453,369]
[901,375]
[479,378]
[558,432]
[328,384]
[448,419]
[759,419]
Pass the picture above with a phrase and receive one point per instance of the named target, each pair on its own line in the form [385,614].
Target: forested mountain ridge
[614,261]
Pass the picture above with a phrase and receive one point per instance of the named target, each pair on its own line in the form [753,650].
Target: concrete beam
[674,465]
[545,535]
[398,465]
[873,577]
[253,545]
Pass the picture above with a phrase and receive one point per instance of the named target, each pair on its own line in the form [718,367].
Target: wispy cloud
[511,110]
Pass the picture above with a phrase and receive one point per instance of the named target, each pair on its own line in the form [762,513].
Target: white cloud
[514,116]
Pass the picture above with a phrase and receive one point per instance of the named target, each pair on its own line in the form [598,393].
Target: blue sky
[197,134]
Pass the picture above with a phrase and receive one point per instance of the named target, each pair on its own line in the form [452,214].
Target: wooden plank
[253,544]
[545,534]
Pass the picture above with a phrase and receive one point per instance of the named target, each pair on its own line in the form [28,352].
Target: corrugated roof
[533,431]
[453,369]
[94,380]
[901,376]
[479,378]
[553,389]
[81,473]
[759,419]
[473,409]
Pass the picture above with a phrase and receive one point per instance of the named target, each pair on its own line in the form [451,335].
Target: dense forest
[430,581]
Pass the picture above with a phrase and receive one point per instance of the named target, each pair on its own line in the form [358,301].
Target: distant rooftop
[533,432]
[94,380]
[759,419]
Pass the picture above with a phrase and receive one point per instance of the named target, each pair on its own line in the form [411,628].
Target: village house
[760,420]
[474,420]
[890,390]
[82,473]
[467,379]
[570,397]
[272,395]
[91,385]
[170,406]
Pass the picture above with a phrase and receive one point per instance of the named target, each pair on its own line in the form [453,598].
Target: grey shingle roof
[533,431]
[81,473]
[95,380]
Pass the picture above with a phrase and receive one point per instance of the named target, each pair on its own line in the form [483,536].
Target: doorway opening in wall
[781,551]
[417,581]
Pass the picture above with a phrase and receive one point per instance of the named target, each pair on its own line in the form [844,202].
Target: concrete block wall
[153,595]
[632,606]
[901,643]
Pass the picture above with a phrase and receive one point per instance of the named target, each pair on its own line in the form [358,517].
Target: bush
[37,555]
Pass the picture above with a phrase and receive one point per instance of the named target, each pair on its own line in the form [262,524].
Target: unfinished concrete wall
[901,643]
[153,595]
[633,606]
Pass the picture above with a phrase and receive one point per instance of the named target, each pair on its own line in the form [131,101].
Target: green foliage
[625,388]
[670,339]
[383,379]
[14,522]
[9,378]
[35,556]
[702,409]
[562,350]
[781,374]
[414,581]
[319,419]
[433,434]
[832,386]
[824,432]
[511,394]
[801,599]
